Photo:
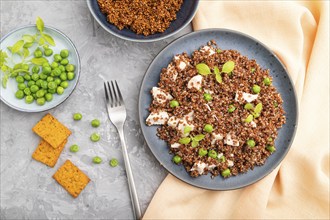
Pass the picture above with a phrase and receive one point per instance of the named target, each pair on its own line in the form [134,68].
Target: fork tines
[112,94]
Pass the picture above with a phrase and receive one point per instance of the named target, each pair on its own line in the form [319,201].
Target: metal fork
[117,115]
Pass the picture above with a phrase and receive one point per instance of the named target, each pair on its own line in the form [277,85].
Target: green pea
[29,99]
[46,70]
[269,139]
[256,89]
[51,85]
[174,103]
[27,77]
[97,160]
[74,148]
[52,91]
[38,82]
[95,123]
[225,173]
[31,83]
[95,137]
[64,84]
[70,75]
[207,97]
[77,116]
[271,149]
[177,159]
[19,79]
[251,143]
[252,70]
[218,51]
[249,118]
[213,154]
[34,95]
[43,76]
[49,97]
[45,64]
[231,108]
[37,53]
[64,53]
[59,90]
[57,58]
[35,69]
[57,81]
[19,94]
[62,68]
[267,81]
[113,162]
[248,106]
[25,67]
[70,68]
[21,86]
[48,52]
[35,76]
[65,62]
[34,88]
[27,91]
[57,72]
[44,84]
[50,79]
[41,101]
[202,152]
[63,77]
[222,159]
[208,128]
[40,93]
[54,65]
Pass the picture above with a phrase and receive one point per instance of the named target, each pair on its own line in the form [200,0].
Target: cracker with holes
[46,154]
[71,178]
[52,131]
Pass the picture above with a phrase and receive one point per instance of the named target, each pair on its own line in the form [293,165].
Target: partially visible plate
[62,42]
[184,17]
[247,46]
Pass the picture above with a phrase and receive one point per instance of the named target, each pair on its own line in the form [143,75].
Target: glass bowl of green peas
[40,68]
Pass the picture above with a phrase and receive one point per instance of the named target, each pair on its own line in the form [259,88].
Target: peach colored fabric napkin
[298,32]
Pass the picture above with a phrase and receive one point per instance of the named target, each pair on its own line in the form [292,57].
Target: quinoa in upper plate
[219,111]
[141,16]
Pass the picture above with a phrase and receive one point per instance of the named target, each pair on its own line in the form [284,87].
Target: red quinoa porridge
[219,111]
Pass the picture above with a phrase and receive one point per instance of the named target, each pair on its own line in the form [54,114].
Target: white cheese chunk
[246,96]
[173,122]
[171,71]
[160,95]
[208,91]
[253,124]
[190,116]
[229,141]
[199,167]
[182,124]
[195,82]
[216,137]
[208,107]
[175,145]
[157,118]
[230,163]
[182,65]
[209,50]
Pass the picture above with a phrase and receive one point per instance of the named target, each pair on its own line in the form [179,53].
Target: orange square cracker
[47,154]
[71,178]
[51,130]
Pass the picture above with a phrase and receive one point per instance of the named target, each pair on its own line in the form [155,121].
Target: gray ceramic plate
[226,39]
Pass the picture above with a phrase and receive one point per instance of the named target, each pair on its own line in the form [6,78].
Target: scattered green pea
[35,69]
[45,64]
[202,152]
[46,70]
[208,128]
[43,76]
[74,148]
[97,160]
[48,52]
[252,70]
[29,99]
[52,91]
[65,62]
[63,76]
[50,79]
[256,89]
[251,143]
[56,71]
[174,103]
[57,58]
[37,53]
[40,93]
[177,159]
[19,79]
[271,149]
[27,91]
[54,65]
[213,154]
[95,123]
[41,101]
[231,108]
[62,68]
[207,97]
[222,159]
[21,86]
[70,67]
[48,97]
[19,94]
[31,83]
[113,162]
[44,84]
[38,82]
[77,116]
[27,77]
[57,81]
[267,81]
[60,90]
[64,53]
[95,137]
[70,75]
[225,173]
[25,67]
[248,106]
[35,76]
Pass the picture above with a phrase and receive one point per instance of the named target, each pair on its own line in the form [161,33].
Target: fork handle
[130,178]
